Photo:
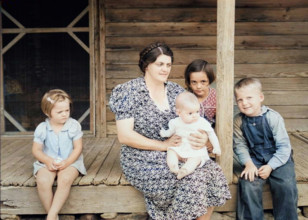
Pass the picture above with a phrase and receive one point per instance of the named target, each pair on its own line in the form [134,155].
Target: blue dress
[166,197]
[60,144]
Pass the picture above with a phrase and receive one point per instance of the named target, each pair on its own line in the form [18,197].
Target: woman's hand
[173,141]
[198,140]
[209,146]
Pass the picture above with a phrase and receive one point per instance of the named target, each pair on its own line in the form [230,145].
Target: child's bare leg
[173,161]
[189,167]
[65,180]
[44,181]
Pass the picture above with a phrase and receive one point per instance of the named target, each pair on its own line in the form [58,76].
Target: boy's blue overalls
[282,180]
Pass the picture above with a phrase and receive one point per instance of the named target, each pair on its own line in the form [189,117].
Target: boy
[262,146]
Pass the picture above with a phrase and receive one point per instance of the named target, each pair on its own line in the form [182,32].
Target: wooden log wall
[271,43]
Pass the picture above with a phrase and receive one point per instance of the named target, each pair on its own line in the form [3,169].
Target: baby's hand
[217,152]
[163,133]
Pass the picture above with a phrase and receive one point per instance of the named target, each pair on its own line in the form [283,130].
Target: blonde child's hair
[51,98]
[186,99]
[248,82]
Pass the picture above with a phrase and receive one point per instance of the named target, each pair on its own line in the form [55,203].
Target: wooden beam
[10,17]
[2,121]
[92,53]
[225,81]
[102,198]
[43,30]
[101,76]
[79,16]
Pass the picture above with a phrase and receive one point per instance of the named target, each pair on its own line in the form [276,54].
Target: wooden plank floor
[101,158]
[104,188]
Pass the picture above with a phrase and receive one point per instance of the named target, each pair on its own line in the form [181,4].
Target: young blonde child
[57,146]
[189,121]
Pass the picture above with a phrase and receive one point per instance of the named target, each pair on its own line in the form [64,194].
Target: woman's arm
[129,137]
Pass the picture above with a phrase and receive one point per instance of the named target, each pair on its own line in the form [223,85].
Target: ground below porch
[104,189]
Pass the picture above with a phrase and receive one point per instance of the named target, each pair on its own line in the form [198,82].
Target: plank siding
[270,44]
[204,14]
[202,3]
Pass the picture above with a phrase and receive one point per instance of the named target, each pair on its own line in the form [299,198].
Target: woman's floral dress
[166,197]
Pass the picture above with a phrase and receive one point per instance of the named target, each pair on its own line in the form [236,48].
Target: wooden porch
[104,189]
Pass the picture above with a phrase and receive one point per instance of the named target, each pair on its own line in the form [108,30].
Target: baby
[189,121]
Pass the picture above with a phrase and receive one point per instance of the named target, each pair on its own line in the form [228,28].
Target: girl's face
[199,84]
[60,112]
[160,69]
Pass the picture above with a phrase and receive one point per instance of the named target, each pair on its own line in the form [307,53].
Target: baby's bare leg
[190,165]
[173,161]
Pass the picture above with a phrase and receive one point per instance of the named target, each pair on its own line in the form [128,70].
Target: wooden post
[101,76]
[1,83]
[225,83]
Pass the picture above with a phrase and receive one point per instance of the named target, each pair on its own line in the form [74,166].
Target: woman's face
[160,69]
[199,84]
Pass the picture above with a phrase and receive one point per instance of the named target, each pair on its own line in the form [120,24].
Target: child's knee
[65,180]
[44,180]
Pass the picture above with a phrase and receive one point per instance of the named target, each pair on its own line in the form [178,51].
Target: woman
[143,106]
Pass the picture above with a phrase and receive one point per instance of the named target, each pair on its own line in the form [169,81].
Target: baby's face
[190,114]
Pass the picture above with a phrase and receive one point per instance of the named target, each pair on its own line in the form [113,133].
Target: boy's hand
[265,171]
[250,171]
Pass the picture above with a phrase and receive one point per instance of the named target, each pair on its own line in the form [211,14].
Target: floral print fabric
[166,197]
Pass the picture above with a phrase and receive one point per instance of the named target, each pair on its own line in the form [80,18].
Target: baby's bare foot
[174,169]
[182,173]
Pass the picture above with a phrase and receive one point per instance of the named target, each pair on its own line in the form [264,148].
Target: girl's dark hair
[149,54]
[199,66]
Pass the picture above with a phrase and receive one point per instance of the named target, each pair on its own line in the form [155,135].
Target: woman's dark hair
[149,54]
[199,66]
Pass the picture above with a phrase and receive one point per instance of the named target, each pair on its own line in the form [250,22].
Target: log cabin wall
[271,40]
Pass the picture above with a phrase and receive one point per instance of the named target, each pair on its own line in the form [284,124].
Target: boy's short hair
[185,99]
[51,98]
[248,82]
